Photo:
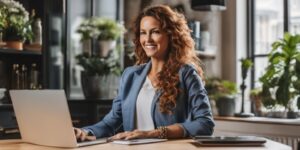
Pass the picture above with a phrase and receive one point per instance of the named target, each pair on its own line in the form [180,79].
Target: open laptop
[230,140]
[43,118]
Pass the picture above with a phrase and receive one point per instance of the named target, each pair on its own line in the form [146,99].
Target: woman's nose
[149,38]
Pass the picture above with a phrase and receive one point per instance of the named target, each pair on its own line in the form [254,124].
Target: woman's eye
[142,33]
[156,32]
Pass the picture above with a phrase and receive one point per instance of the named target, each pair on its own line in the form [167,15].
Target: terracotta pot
[18,45]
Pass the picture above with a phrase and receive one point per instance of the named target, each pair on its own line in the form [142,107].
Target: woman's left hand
[136,134]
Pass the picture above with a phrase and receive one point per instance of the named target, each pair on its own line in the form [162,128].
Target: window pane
[294,24]
[78,10]
[268,24]
[260,65]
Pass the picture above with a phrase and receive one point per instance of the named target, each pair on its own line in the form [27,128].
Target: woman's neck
[156,66]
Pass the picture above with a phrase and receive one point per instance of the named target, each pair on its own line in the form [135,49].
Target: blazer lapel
[153,105]
[137,83]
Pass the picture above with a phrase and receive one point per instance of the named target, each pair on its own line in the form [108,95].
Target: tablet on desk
[230,140]
[138,141]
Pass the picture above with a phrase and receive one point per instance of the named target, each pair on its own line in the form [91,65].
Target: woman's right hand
[83,136]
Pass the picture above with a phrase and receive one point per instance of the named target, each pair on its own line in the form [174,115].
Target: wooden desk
[186,144]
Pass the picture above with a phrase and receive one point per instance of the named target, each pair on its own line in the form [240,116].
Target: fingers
[78,132]
[119,136]
[90,138]
[130,135]
[82,135]
[133,136]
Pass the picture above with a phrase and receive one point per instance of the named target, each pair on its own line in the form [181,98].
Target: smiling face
[153,39]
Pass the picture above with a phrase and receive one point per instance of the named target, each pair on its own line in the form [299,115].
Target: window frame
[251,33]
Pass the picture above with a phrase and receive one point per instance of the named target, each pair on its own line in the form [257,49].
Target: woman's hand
[136,134]
[83,136]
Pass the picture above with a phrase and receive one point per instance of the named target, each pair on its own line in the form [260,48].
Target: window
[269,20]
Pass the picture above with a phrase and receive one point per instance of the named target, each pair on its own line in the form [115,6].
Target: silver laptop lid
[43,117]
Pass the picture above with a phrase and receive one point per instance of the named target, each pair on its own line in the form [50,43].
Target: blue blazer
[192,109]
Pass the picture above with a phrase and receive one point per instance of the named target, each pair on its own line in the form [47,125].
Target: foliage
[15,21]
[100,28]
[87,29]
[246,64]
[2,17]
[94,65]
[267,102]
[282,75]
[218,88]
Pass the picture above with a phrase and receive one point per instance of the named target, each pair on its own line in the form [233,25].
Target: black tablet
[230,140]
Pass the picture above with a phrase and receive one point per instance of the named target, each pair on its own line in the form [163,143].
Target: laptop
[230,140]
[44,119]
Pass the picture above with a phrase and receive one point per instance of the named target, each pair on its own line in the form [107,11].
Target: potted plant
[224,93]
[100,66]
[98,75]
[281,81]
[88,31]
[246,65]
[16,24]
[106,31]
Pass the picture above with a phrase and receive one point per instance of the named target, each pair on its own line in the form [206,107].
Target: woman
[162,96]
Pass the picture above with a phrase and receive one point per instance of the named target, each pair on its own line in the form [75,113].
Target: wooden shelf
[205,55]
[8,51]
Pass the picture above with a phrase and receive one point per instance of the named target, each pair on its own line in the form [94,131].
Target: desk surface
[186,144]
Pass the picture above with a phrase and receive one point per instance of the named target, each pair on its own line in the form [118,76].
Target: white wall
[234,45]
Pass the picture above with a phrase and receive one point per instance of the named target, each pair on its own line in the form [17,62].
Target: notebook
[230,140]
[43,117]
[138,141]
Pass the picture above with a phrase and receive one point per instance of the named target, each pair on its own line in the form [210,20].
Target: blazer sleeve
[200,120]
[113,120]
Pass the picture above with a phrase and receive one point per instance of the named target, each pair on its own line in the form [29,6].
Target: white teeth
[150,46]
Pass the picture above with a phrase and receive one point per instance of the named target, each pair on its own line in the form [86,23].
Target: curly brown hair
[181,51]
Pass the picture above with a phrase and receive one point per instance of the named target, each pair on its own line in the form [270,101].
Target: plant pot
[99,87]
[87,46]
[226,106]
[105,47]
[292,115]
[18,45]
[276,114]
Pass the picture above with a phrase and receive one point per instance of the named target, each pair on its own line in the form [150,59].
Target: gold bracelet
[163,132]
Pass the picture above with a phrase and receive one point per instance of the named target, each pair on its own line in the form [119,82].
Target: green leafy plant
[246,64]
[87,29]
[97,66]
[15,21]
[100,28]
[256,94]
[218,88]
[2,18]
[282,75]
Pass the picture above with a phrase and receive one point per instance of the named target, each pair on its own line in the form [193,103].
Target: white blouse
[144,119]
